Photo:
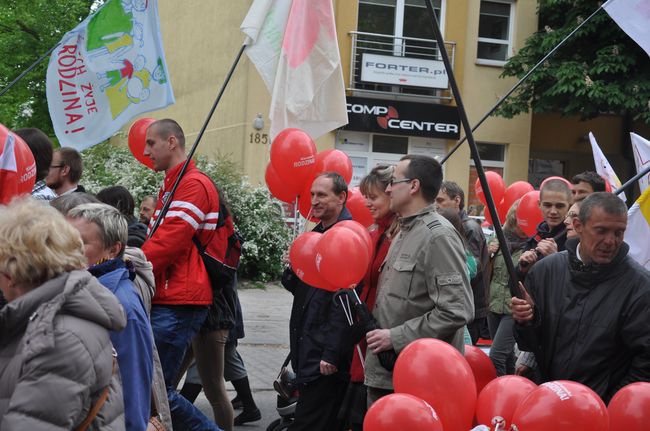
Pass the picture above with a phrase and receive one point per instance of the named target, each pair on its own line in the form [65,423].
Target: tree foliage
[28,29]
[598,70]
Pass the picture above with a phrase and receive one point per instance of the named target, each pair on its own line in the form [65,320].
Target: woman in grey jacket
[56,358]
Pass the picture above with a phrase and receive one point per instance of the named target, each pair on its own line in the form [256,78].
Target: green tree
[28,29]
[598,70]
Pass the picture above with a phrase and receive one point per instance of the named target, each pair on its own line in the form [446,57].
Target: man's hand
[526,260]
[327,369]
[522,370]
[522,309]
[547,246]
[379,340]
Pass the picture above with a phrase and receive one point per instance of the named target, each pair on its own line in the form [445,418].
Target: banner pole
[521,81]
[629,183]
[475,155]
[29,69]
[168,202]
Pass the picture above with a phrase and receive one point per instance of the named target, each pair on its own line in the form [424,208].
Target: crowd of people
[103,312]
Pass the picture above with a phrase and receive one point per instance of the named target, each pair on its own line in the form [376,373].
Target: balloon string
[348,315]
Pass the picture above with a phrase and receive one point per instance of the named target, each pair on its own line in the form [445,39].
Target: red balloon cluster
[481,365]
[17,166]
[529,214]
[503,196]
[138,139]
[499,399]
[294,166]
[335,259]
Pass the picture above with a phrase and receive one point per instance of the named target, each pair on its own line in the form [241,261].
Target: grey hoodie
[144,279]
[56,356]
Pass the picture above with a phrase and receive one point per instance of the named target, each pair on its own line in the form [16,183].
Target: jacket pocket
[402,279]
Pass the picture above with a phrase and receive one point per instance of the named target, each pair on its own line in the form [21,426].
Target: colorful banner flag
[637,234]
[106,71]
[17,166]
[295,50]
[641,150]
[633,16]
[604,169]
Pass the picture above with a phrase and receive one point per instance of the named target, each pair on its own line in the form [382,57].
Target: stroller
[287,398]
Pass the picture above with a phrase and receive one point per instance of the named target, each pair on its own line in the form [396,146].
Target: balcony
[398,67]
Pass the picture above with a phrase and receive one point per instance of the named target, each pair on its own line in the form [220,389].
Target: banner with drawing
[106,71]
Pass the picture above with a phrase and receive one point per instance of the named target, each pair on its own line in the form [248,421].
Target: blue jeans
[174,327]
[502,352]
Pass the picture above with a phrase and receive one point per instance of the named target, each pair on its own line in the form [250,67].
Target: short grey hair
[113,227]
[608,202]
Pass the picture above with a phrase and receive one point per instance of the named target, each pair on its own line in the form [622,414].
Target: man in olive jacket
[424,290]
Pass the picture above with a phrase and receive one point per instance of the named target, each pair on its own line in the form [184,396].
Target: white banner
[387,69]
[106,71]
[603,168]
[633,16]
[641,150]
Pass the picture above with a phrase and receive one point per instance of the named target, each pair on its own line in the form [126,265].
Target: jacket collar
[406,223]
[593,273]
[172,174]
[344,215]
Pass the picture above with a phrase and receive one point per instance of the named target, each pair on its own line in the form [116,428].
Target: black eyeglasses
[393,181]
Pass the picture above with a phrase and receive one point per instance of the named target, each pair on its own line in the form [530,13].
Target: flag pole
[29,69]
[168,202]
[632,180]
[474,150]
[521,81]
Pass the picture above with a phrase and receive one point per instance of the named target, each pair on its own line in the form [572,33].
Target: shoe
[248,416]
[237,403]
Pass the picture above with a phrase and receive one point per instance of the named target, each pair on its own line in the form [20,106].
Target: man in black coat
[320,357]
[587,311]
[451,196]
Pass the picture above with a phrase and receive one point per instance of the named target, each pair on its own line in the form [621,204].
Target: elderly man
[318,326]
[424,290]
[586,312]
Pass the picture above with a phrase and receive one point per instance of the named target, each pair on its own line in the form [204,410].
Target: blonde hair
[511,217]
[378,179]
[37,243]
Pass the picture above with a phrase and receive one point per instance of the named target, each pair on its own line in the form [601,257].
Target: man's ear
[65,170]
[578,226]
[115,249]
[415,186]
[343,198]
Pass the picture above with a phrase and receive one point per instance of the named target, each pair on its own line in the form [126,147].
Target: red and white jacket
[181,277]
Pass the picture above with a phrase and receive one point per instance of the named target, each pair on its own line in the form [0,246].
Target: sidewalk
[265,347]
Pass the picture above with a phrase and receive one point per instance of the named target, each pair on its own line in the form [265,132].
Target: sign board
[417,72]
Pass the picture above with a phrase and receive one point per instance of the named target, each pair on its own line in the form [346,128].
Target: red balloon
[304,203]
[293,156]
[561,405]
[515,191]
[302,255]
[564,180]
[436,372]
[356,204]
[499,399]
[138,139]
[500,213]
[341,257]
[396,412]
[496,184]
[629,409]
[529,215]
[334,161]
[482,366]
[277,187]
[17,166]
[360,230]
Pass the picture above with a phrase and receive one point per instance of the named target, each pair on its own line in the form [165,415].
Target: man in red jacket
[183,289]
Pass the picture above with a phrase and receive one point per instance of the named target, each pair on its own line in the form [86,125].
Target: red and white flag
[294,47]
[17,166]
[641,150]
[633,16]
[604,169]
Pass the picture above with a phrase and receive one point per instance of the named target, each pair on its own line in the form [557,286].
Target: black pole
[629,183]
[29,69]
[512,90]
[168,202]
[475,156]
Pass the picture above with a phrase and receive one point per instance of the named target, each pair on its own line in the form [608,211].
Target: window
[495,30]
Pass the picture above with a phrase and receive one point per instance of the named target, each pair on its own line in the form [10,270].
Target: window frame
[509,45]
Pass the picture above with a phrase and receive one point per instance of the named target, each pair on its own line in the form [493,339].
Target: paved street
[266,321]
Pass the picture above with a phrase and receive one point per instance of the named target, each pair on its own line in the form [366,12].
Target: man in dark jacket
[587,312]
[319,355]
[452,196]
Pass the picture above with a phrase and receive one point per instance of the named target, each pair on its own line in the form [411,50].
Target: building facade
[397,90]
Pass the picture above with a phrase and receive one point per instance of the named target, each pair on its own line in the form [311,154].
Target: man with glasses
[65,172]
[424,290]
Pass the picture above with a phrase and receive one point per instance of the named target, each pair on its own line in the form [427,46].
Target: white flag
[641,149]
[295,50]
[604,169]
[633,16]
[637,234]
[107,70]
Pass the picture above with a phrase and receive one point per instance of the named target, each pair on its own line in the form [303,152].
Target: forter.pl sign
[417,72]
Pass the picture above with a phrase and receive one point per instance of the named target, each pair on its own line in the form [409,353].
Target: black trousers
[319,403]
